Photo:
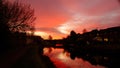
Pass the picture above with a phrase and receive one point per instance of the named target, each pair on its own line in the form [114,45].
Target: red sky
[58,17]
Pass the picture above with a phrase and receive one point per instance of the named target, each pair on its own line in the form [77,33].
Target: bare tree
[17,16]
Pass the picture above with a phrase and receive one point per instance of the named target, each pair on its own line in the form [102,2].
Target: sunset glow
[42,34]
[59,17]
[46,35]
[60,33]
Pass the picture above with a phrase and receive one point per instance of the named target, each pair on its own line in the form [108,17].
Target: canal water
[62,60]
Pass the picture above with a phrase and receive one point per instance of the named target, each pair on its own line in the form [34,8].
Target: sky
[58,17]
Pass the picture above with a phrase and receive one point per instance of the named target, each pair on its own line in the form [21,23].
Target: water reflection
[62,59]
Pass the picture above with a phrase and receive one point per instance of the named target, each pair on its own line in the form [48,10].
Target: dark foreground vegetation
[22,51]
[18,48]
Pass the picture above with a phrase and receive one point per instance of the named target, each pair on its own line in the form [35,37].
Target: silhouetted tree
[16,16]
[50,37]
[72,33]
[4,30]
[84,30]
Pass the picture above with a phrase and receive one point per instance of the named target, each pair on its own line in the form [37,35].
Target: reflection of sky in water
[62,60]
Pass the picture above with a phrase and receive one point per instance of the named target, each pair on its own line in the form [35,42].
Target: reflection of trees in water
[59,55]
[47,50]
[98,47]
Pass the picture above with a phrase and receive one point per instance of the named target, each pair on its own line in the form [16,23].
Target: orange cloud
[59,17]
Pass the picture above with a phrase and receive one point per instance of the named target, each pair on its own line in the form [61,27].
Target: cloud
[50,30]
[62,16]
[89,7]
[90,22]
[48,7]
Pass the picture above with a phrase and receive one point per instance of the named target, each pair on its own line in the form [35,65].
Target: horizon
[46,38]
[58,17]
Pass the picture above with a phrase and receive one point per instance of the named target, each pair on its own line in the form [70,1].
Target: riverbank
[26,57]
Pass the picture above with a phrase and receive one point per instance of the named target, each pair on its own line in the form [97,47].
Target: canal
[62,59]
